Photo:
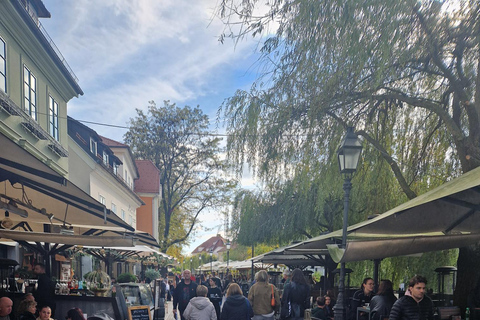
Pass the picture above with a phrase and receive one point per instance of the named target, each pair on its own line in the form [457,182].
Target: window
[102,200]
[3,66]
[123,215]
[115,168]
[93,146]
[53,117]
[105,158]
[114,208]
[30,93]
[130,220]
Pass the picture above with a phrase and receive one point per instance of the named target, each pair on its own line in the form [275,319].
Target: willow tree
[192,174]
[405,73]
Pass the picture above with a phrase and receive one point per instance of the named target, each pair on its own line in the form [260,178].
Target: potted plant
[98,282]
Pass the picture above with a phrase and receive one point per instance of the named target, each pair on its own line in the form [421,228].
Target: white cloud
[126,53]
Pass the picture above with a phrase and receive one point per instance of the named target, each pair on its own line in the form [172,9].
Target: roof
[112,143]
[215,244]
[149,177]
[115,144]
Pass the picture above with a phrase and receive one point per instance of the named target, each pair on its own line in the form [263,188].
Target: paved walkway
[168,311]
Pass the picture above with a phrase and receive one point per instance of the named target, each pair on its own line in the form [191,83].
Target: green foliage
[191,172]
[152,274]
[126,277]
[404,73]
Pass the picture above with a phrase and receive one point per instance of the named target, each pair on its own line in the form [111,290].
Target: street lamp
[228,253]
[191,261]
[211,265]
[348,155]
[199,264]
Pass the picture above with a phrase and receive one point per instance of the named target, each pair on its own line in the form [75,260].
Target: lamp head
[349,152]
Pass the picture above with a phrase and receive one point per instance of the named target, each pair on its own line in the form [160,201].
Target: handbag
[272,302]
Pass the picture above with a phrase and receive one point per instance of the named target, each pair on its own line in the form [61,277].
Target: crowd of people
[202,298]
[209,298]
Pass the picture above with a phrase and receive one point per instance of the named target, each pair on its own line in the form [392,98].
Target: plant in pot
[98,282]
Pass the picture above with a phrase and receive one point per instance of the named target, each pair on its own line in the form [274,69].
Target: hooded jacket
[200,308]
[236,307]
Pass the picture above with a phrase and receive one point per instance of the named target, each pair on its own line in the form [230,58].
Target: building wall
[101,185]
[25,47]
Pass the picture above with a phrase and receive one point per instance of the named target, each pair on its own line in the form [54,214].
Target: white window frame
[30,93]
[93,146]
[3,61]
[113,208]
[53,118]
[123,215]
[105,158]
[102,200]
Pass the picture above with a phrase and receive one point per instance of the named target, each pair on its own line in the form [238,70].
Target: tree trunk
[467,275]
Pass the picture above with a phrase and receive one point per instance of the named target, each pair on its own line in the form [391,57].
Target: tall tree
[405,73]
[192,175]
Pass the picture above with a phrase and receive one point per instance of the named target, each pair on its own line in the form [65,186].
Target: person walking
[236,306]
[200,307]
[215,296]
[382,303]
[414,305]
[263,297]
[184,292]
[295,297]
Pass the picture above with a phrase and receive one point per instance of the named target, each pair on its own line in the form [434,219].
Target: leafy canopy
[192,174]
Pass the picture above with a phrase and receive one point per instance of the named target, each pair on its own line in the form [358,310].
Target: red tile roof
[215,244]
[112,143]
[149,180]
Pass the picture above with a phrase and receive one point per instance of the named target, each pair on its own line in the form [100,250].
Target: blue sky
[126,53]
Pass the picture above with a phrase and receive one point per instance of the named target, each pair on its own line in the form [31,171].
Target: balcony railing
[34,17]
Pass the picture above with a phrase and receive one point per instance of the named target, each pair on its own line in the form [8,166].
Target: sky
[126,53]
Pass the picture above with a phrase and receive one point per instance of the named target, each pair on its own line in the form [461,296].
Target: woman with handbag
[296,297]
[263,297]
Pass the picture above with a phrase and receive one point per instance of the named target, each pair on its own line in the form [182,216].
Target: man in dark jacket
[414,305]
[45,292]
[185,290]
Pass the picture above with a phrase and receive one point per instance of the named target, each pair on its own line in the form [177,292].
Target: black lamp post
[348,156]
[211,265]
[228,253]
[199,264]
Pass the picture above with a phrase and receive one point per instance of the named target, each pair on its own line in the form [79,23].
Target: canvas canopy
[444,218]
[86,240]
[48,197]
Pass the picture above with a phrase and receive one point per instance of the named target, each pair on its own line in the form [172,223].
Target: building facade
[97,170]
[35,84]
[147,186]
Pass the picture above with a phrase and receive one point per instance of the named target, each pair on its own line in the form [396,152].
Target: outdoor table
[363,309]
